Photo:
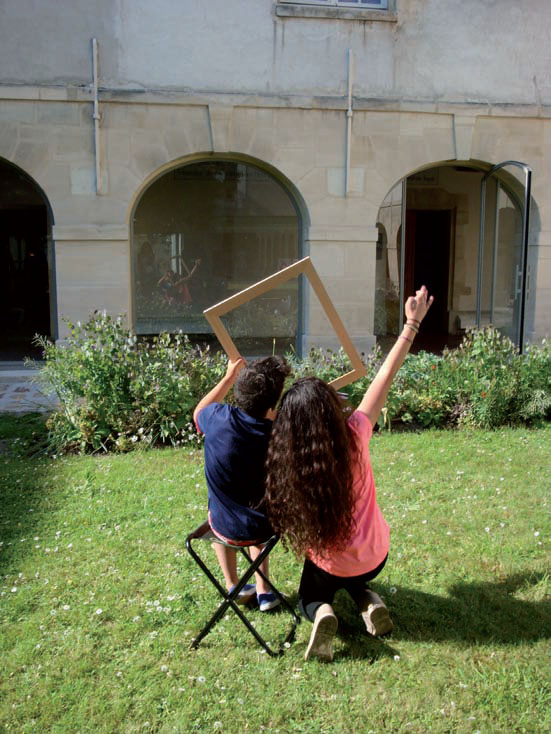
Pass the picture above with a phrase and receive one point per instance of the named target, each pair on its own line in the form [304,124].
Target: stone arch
[27,267]
[441,245]
[203,228]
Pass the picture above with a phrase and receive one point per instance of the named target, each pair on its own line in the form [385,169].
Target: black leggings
[319,587]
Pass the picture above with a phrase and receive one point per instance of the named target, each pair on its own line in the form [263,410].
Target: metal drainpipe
[349,113]
[96,115]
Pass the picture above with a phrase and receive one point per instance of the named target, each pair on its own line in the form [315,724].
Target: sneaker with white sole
[246,594]
[375,614]
[324,629]
[267,601]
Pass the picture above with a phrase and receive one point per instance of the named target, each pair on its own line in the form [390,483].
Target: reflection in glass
[502,262]
[387,269]
[203,233]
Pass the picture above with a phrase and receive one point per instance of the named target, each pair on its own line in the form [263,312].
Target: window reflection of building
[204,232]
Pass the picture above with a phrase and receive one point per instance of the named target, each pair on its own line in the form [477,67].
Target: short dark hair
[259,385]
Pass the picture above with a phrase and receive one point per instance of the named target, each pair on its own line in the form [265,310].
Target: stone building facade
[157,157]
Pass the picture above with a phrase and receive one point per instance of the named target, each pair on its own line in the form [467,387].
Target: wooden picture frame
[306,268]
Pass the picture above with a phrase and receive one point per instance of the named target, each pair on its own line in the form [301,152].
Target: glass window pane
[203,233]
[364,3]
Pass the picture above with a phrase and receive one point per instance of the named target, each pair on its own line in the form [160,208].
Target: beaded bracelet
[406,339]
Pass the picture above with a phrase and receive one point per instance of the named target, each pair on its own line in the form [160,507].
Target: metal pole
[403,254]
[525,233]
[494,254]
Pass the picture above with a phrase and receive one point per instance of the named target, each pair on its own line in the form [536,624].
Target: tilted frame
[306,268]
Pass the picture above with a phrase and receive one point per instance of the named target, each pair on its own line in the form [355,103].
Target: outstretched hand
[418,305]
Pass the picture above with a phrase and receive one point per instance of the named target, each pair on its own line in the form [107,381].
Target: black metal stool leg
[230,599]
[296,619]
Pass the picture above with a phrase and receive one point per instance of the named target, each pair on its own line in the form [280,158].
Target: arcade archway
[201,233]
[433,221]
[26,282]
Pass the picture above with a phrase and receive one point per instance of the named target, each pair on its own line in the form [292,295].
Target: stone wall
[426,92]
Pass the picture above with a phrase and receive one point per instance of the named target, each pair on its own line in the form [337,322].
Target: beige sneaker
[375,614]
[323,633]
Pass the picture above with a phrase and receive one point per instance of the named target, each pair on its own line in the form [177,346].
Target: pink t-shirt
[369,542]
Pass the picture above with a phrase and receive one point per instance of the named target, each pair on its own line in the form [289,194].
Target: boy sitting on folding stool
[236,441]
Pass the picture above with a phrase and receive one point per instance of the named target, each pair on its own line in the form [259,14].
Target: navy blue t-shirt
[235,451]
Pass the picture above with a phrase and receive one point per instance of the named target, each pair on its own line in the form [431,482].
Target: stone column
[92,270]
[344,258]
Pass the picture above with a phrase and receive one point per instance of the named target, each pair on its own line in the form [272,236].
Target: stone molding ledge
[198,98]
[90,233]
[359,235]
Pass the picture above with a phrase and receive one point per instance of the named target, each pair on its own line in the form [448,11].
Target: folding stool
[204,532]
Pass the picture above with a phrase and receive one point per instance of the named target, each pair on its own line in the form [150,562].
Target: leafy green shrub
[116,391]
[495,385]
[483,383]
[328,365]
[533,398]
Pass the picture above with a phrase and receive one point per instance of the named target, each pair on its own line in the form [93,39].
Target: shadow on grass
[485,612]
[26,501]
[476,613]
[473,613]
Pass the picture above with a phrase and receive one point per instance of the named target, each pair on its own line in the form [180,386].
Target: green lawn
[99,600]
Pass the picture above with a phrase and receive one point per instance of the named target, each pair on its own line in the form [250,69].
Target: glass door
[503,249]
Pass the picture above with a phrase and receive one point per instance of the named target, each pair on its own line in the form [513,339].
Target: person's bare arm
[376,394]
[222,388]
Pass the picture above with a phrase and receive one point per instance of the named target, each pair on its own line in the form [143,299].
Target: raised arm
[375,396]
[222,388]
[189,272]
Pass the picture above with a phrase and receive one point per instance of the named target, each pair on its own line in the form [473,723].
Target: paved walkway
[18,394]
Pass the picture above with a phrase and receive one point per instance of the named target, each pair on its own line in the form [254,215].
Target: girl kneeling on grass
[320,492]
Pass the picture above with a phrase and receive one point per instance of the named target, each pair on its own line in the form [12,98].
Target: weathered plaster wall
[273,90]
[436,50]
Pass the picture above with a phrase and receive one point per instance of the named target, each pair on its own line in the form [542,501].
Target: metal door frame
[524,247]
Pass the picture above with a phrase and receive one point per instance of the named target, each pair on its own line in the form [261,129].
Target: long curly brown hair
[309,494]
